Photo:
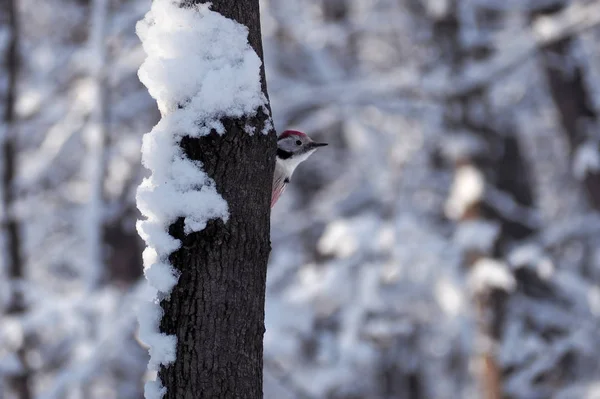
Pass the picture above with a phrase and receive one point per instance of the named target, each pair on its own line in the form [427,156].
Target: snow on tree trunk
[207,201]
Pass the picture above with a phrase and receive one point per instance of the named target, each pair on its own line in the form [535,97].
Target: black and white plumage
[293,147]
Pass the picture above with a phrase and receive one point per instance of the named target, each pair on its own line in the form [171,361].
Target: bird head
[295,146]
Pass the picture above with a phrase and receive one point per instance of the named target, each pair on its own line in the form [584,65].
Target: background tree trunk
[565,76]
[96,143]
[217,308]
[502,170]
[19,382]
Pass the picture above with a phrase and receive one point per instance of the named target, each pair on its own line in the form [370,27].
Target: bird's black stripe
[283,154]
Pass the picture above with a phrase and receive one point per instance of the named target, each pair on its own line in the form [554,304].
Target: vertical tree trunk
[501,169]
[15,267]
[96,143]
[216,310]
[571,96]
[447,29]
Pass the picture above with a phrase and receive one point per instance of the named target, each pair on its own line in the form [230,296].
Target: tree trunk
[502,171]
[19,382]
[96,144]
[216,310]
[571,96]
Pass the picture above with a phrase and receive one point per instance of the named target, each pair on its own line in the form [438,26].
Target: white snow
[576,17]
[490,273]
[161,276]
[161,346]
[200,68]
[467,188]
[437,9]
[586,160]
[12,334]
[449,296]
[226,70]
[154,390]
[338,240]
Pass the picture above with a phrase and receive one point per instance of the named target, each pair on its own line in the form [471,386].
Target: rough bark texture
[217,308]
[19,382]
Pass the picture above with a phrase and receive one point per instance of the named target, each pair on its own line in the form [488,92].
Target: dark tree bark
[217,308]
[570,94]
[10,65]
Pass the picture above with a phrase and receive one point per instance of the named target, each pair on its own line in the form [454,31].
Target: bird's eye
[298,142]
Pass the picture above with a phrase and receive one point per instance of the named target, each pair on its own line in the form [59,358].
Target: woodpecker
[293,147]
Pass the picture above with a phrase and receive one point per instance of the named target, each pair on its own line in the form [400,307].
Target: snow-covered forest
[446,244]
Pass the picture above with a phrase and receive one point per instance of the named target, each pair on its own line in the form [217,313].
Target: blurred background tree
[445,244]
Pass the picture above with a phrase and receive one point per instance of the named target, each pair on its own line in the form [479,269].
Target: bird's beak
[315,145]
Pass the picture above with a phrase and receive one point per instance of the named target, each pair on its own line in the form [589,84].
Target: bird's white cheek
[290,164]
